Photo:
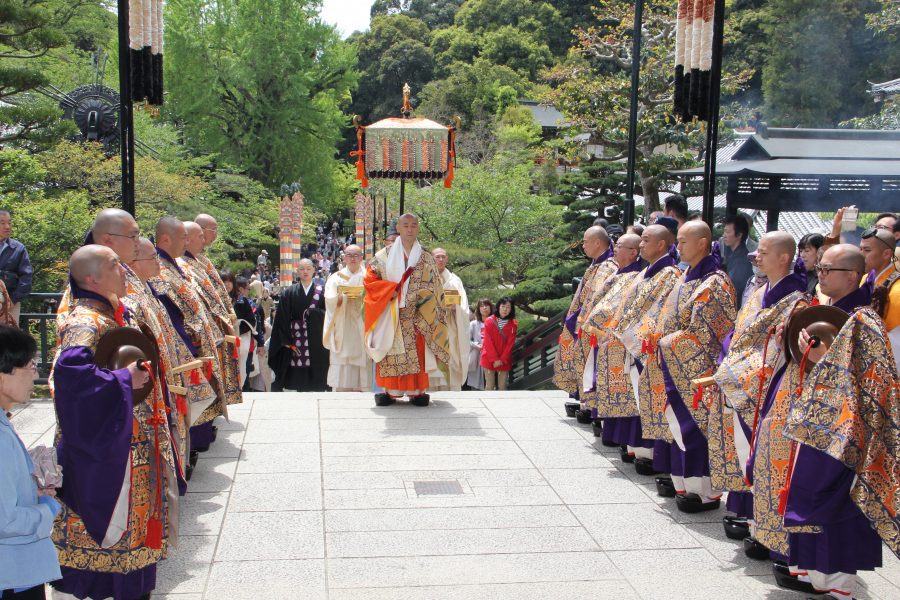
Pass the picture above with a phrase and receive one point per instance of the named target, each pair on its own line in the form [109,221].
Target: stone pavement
[481,495]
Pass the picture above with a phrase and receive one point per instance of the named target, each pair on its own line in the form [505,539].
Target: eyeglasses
[621,247]
[826,269]
[154,257]
[133,237]
[213,229]
[871,233]
[353,256]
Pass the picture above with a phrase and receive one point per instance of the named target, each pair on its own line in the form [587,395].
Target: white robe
[458,326]
[349,368]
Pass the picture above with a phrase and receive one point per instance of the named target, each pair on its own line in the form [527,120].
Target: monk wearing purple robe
[698,314]
[843,422]
[112,529]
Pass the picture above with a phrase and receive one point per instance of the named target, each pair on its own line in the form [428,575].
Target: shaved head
[171,236]
[146,249]
[195,240]
[839,283]
[781,241]
[146,265]
[694,242]
[595,241]
[210,228]
[598,233]
[97,269]
[117,229]
[655,242]
[111,220]
[849,257]
[627,249]
[775,255]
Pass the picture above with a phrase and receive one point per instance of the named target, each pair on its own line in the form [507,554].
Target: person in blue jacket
[27,555]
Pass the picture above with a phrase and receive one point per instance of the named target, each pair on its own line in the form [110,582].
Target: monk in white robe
[350,369]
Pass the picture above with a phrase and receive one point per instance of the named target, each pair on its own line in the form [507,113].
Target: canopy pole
[628,218]
[402,194]
[126,111]
[712,131]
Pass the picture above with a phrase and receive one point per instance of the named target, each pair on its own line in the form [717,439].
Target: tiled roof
[797,224]
[882,90]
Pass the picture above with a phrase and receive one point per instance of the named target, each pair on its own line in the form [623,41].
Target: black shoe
[584,416]
[784,579]
[420,400]
[665,488]
[691,503]
[753,549]
[609,444]
[644,466]
[215,432]
[597,426]
[192,459]
[625,455]
[736,528]
[383,400]
[571,408]
[188,472]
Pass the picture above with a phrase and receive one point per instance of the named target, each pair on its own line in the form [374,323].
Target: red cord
[786,490]
[759,397]
[154,523]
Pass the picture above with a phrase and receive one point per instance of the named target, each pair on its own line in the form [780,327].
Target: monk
[349,367]
[457,311]
[405,321]
[114,523]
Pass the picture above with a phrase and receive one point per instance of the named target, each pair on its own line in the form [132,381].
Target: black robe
[297,307]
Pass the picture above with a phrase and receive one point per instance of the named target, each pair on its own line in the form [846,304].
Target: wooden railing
[533,355]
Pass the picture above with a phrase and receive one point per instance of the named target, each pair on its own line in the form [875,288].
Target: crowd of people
[786,395]
[777,384]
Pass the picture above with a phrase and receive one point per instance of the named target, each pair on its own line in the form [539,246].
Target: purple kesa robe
[105,447]
[698,314]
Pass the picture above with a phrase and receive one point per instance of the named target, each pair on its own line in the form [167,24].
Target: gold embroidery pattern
[636,327]
[695,320]
[424,313]
[850,410]
[613,396]
[724,465]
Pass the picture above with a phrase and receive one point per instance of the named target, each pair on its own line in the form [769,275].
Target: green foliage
[812,33]
[394,51]
[434,13]
[262,85]
[34,35]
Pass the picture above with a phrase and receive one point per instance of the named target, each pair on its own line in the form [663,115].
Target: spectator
[262,262]
[737,262]
[28,558]
[807,248]
[499,335]
[15,266]
[677,208]
[475,379]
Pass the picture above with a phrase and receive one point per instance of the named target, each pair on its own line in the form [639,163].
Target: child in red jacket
[498,339]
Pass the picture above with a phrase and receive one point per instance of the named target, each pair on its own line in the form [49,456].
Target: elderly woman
[27,556]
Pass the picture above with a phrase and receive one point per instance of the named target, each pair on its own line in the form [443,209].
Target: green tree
[392,52]
[434,13]
[593,91]
[262,84]
[807,35]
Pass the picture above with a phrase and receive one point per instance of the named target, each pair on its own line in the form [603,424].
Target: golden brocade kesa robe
[698,315]
[222,312]
[636,327]
[613,395]
[849,409]
[174,285]
[743,379]
[568,365]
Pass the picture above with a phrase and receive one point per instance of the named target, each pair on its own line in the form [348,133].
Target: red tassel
[234,350]
[120,315]
[195,377]
[180,404]
[252,345]
[593,341]
[154,533]
[209,371]
[360,163]
[698,396]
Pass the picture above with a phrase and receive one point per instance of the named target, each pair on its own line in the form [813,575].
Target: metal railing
[42,326]
[533,356]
